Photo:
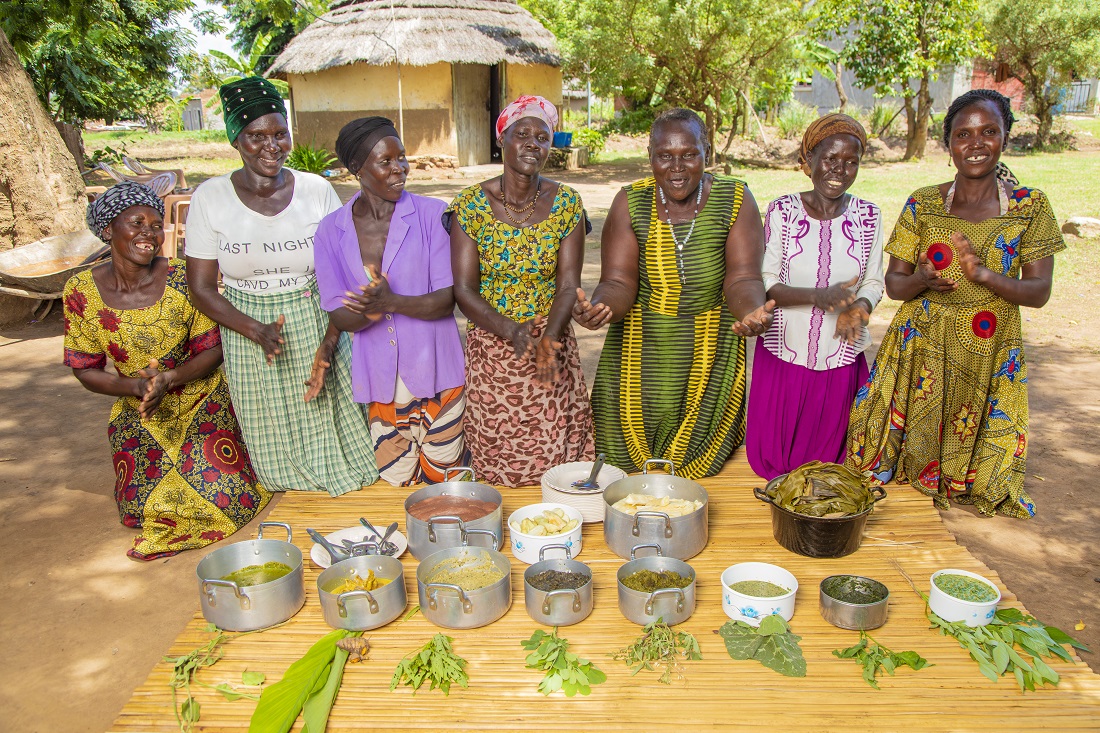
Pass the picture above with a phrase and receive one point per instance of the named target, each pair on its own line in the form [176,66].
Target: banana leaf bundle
[819,489]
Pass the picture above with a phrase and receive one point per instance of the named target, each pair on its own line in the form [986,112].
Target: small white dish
[526,546]
[358,533]
[557,487]
[953,609]
[751,609]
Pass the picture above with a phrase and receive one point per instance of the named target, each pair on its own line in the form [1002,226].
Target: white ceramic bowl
[950,608]
[526,546]
[557,487]
[750,609]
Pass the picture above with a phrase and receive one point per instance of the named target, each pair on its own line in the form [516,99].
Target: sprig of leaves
[184,669]
[660,647]
[872,656]
[993,646]
[435,663]
[772,644]
[565,671]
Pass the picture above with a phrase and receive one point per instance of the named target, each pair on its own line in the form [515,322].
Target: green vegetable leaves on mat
[993,646]
[184,669]
[819,489]
[872,656]
[660,647]
[310,684]
[565,671]
[772,644]
[436,663]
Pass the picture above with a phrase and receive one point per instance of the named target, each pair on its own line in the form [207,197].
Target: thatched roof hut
[445,66]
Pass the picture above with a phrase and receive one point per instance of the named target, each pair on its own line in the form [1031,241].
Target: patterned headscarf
[116,200]
[358,138]
[246,100]
[821,128]
[528,106]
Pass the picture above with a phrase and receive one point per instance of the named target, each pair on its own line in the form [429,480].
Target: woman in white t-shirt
[823,268]
[256,225]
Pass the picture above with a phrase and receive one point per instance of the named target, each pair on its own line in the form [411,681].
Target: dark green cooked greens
[819,489]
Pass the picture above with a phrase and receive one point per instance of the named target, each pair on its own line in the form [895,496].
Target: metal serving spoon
[333,553]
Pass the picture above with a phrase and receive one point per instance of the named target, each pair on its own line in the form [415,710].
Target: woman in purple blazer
[384,273]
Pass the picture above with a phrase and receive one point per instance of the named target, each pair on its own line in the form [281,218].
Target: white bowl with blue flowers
[526,546]
[750,609]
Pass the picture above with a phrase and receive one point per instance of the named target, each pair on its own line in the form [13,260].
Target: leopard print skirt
[515,427]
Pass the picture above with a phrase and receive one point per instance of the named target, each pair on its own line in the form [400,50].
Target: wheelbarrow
[40,270]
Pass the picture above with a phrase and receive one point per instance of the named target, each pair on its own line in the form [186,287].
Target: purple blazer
[417,260]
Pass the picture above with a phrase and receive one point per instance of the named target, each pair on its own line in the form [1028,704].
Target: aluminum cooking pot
[234,608]
[360,610]
[446,531]
[678,537]
[557,607]
[453,607]
[816,536]
[672,605]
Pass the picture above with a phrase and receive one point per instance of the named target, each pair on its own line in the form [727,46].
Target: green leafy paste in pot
[965,588]
[759,589]
[551,580]
[854,589]
[648,581]
[258,574]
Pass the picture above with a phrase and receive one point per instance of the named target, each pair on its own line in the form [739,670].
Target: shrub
[310,158]
[107,154]
[884,120]
[631,121]
[794,118]
[590,138]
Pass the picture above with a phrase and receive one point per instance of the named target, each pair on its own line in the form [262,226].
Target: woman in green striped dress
[681,299]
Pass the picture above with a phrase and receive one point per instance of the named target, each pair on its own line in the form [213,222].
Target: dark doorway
[494,109]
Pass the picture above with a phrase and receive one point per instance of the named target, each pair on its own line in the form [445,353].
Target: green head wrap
[247,100]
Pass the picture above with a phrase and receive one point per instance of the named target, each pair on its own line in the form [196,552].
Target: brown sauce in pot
[463,507]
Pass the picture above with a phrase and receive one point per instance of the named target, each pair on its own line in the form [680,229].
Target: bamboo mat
[716,692]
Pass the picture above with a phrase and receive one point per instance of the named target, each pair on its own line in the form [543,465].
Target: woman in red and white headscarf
[517,246]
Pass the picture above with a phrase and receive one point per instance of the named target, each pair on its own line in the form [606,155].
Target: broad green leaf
[989,670]
[318,705]
[773,624]
[189,711]
[1045,672]
[595,676]
[1061,637]
[1001,657]
[228,692]
[281,702]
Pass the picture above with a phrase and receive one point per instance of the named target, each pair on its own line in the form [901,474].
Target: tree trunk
[74,141]
[712,132]
[1044,114]
[838,68]
[910,128]
[924,114]
[41,191]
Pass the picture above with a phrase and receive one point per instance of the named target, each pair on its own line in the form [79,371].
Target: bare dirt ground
[82,624]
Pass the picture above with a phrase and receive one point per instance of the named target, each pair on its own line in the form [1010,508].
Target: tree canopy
[98,58]
[1045,48]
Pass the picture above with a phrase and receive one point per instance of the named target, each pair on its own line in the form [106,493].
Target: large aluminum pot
[671,605]
[678,537]
[816,536]
[452,607]
[233,608]
[557,607]
[360,610]
[445,531]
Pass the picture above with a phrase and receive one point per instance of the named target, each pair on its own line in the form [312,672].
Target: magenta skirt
[797,415]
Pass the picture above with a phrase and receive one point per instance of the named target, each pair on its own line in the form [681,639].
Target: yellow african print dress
[183,476]
[515,427]
[945,405]
[671,379]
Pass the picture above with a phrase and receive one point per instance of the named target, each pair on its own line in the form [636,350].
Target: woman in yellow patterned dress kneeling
[945,406]
[182,474]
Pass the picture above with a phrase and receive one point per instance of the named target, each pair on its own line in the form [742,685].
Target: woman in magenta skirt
[823,269]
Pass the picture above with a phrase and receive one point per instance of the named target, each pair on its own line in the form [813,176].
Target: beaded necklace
[680,245]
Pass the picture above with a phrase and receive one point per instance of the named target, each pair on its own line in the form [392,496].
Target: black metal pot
[816,536]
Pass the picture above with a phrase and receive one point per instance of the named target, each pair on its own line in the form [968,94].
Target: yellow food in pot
[551,522]
[633,503]
[370,582]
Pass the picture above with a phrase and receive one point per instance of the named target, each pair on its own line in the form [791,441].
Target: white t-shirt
[804,252]
[257,253]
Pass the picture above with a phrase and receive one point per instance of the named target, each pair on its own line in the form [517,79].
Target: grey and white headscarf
[117,199]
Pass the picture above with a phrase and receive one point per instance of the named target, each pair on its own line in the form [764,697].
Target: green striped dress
[671,379]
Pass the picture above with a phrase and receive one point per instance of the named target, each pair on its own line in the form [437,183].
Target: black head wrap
[358,138]
[116,200]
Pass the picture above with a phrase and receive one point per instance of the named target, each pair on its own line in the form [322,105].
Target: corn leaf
[281,703]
